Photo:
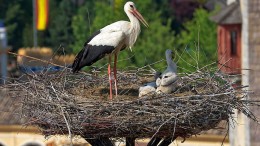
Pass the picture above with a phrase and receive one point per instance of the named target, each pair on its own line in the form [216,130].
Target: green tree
[60,28]
[27,35]
[16,15]
[197,43]
[81,25]
[153,43]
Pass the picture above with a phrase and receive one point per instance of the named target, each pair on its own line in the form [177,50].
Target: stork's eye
[131,6]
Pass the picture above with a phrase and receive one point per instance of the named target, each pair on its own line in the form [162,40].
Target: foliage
[60,30]
[27,31]
[72,22]
[153,43]
[16,14]
[198,42]
[81,26]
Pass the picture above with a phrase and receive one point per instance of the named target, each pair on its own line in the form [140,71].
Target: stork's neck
[135,24]
[170,64]
[134,29]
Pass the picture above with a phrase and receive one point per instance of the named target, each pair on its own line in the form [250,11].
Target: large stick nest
[66,103]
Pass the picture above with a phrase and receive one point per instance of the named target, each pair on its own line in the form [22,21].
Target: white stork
[110,40]
[167,82]
[149,87]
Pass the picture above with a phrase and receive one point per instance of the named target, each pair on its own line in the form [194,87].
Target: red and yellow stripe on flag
[42,12]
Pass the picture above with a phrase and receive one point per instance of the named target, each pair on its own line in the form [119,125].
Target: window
[233,42]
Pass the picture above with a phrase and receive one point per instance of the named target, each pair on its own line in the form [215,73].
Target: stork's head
[130,8]
[168,52]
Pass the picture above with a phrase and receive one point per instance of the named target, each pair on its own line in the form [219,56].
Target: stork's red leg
[115,72]
[109,77]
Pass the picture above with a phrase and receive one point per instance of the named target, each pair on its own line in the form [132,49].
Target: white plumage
[167,82]
[108,39]
[147,88]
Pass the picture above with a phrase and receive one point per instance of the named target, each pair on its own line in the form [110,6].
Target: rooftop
[231,14]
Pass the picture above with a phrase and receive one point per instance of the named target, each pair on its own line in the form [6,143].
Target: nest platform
[78,104]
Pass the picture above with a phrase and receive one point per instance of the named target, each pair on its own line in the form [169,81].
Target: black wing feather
[90,54]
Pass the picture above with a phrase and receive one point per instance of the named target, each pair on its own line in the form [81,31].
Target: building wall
[15,135]
[254,61]
[228,62]
[21,139]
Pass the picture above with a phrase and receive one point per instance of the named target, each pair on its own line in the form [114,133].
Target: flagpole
[34,24]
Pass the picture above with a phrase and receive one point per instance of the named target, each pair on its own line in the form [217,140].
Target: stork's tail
[76,64]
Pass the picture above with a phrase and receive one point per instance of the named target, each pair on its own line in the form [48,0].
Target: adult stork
[110,40]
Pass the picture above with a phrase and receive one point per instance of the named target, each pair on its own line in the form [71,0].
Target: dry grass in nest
[77,104]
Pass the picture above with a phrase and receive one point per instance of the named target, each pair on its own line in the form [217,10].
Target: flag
[42,12]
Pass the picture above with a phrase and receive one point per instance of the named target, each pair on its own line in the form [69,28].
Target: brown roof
[231,14]
[10,109]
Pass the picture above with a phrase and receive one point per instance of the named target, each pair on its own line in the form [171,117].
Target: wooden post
[240,132]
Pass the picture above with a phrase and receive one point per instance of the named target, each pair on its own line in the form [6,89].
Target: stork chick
[166,83]
[149,87]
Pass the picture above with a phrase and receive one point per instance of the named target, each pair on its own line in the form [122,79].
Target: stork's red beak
[140,17]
